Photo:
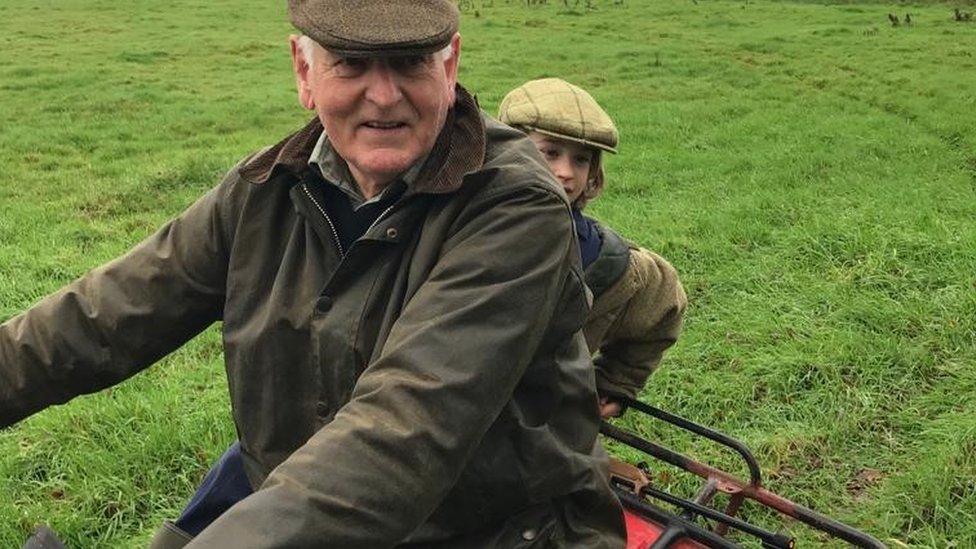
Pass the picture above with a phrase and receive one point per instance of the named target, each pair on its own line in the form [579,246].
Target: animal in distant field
[958,15]
[908,19]
[894,20]
[964,16]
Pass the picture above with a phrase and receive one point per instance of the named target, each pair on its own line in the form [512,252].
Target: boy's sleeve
[649,325]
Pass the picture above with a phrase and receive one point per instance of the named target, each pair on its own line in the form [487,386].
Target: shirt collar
[335,171]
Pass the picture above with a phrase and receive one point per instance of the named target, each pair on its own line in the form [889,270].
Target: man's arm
[649,325]
[451,363]
[118,318]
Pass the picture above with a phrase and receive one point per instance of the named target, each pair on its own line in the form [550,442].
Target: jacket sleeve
[648,326]
[119,318]
[418,412]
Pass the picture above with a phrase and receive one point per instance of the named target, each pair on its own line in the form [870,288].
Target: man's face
[382,114]
[569,161]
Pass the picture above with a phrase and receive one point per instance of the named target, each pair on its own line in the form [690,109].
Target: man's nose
[383,88]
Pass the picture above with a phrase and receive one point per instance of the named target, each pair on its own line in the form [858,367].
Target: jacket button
[323,304]
[529,534]
[392,232]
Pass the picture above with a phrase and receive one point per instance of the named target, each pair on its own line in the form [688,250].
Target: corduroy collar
[459,150]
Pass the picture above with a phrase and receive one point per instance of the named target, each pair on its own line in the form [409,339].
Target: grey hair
[445,53]
[309,47]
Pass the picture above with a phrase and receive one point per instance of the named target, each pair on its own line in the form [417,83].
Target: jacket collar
[459,150]
[610,265]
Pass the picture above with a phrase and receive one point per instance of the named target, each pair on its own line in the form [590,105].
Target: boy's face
[569,161]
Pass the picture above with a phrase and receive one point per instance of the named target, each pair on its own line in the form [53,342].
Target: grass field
[809,169]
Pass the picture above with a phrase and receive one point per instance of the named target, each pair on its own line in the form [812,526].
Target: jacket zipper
[379,218]
[335,234]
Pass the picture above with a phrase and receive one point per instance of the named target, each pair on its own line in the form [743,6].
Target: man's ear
[302,73]
[451,64]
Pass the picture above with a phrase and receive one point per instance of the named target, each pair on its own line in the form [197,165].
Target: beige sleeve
[648,325]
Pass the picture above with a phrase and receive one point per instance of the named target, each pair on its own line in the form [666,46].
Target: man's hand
[609,408]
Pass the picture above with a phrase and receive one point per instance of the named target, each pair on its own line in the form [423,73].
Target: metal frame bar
[728,482]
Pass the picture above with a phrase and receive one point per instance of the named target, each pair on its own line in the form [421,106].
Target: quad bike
[651,526]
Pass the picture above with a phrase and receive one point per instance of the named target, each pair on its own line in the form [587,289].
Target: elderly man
[400,297]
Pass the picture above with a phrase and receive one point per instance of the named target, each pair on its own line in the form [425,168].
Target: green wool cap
[363,28]
[555,107]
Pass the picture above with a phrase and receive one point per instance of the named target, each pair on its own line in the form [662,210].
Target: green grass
[810,170]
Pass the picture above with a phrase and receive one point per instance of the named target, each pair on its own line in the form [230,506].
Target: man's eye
[407,64]
[350,66]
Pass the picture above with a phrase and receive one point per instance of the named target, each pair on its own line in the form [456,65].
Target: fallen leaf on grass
[782,473]
[865,479]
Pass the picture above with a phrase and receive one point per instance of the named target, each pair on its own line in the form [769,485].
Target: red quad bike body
[642,533]
[651,526]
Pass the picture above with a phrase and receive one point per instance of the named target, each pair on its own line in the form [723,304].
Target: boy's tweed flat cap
[555,107]
[362,28]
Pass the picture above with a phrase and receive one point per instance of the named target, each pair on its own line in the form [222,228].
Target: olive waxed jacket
[422,388]
[638,304]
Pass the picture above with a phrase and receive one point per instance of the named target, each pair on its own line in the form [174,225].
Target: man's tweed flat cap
[361,28]
[555,107]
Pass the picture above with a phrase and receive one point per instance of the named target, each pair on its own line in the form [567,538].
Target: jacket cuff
[607,388]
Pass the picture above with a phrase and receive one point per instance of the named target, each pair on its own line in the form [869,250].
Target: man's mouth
[380,125]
